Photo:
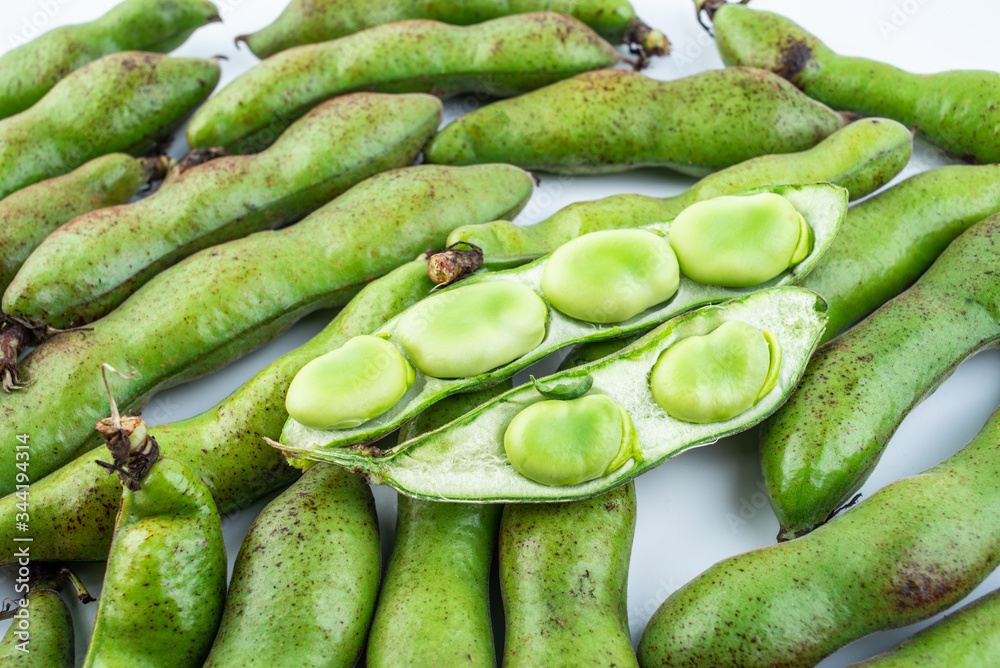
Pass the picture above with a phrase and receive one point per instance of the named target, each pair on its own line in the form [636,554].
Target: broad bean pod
[504,57]
[956,110]
[28,72]
[912,549]
[311,21]
[306,577]
[32,213]
[616,120]
[861,157]
[229,299]
[124,102]
[821,446]
[564,576]
[466,461]
[41,633]
[214,202]
[967,638]
[823,207]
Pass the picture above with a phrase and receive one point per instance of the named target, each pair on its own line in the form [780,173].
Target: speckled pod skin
[956,110]
[564,574]
[304,584]
[437,582]
[75,506]
[32,213]
[123,102]
[861,157]
[504,57]
[225,301]
[165,585]
[223,199]
[820,447]
[617,120]
[967,638]
[50,629]
[912,549]
[28,72]
[889,240]
[311,21]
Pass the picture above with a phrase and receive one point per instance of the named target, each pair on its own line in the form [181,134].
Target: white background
[706,504]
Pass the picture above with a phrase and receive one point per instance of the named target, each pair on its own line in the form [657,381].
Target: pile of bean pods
[245,331]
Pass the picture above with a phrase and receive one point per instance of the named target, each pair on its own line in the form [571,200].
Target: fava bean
[716,376]
[350,385]
[956,110]
[28,72]
[311,21]
[472,329]
[568,442]
[466,459]
[821,446]
[739,241]
[611,276]
[861,157]
[912,549]
[124,102]
[616,120]
[442,325]
[217,201]
[513,55]
[41,635]
[229,299]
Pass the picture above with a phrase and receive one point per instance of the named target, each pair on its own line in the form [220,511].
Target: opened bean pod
[466,460]
[311,21]
[490,326]
[512,55]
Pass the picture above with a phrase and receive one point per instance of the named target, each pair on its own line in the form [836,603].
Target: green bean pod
[223,199]
[41,633]
[821,446]
[956,110]
[74,507]
[437,582]
[616,120]
[504,57]
[862,157]
[165,584]
[311,21]
[889,240]
[229,299]
[821,205]
[466,460]
[967,638]
[32,213]
[306,577]
[912,549]
[28,72]
[124,102]
[564,576]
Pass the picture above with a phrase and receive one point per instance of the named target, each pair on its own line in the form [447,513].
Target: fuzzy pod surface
[504,57]
[311,21]
[225,301]
[217,201]
[956,110]
[125,102]
[617,120]
[28,72]
[862,157]
[306,577]
[564,574]
[819,448]
[912,549]
[32,213]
